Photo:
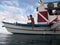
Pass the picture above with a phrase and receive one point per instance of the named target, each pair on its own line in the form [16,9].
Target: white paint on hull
[32,32]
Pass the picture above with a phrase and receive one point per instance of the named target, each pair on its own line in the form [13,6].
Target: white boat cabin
[48,12]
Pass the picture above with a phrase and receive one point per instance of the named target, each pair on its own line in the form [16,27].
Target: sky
[18,9]
[50,0]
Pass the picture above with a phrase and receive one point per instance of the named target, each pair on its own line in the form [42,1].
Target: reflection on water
[20,39]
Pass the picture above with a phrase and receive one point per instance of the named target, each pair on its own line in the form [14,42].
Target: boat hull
[32,31]
[23,29]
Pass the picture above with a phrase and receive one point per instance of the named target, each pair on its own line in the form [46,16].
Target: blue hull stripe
[28,25]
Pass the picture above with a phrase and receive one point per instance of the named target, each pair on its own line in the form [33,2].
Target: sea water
[22,39]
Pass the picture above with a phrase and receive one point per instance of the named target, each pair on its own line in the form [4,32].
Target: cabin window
[57,12]
[50,5]
[54,12]
[37,9]
[50,12]
[58,4]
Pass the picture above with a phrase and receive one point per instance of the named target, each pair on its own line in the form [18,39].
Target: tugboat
[48,15]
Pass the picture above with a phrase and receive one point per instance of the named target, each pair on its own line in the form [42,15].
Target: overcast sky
[22,7]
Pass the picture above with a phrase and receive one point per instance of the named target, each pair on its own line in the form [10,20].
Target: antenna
[41,2]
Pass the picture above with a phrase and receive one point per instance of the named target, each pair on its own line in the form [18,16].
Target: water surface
[21,39]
